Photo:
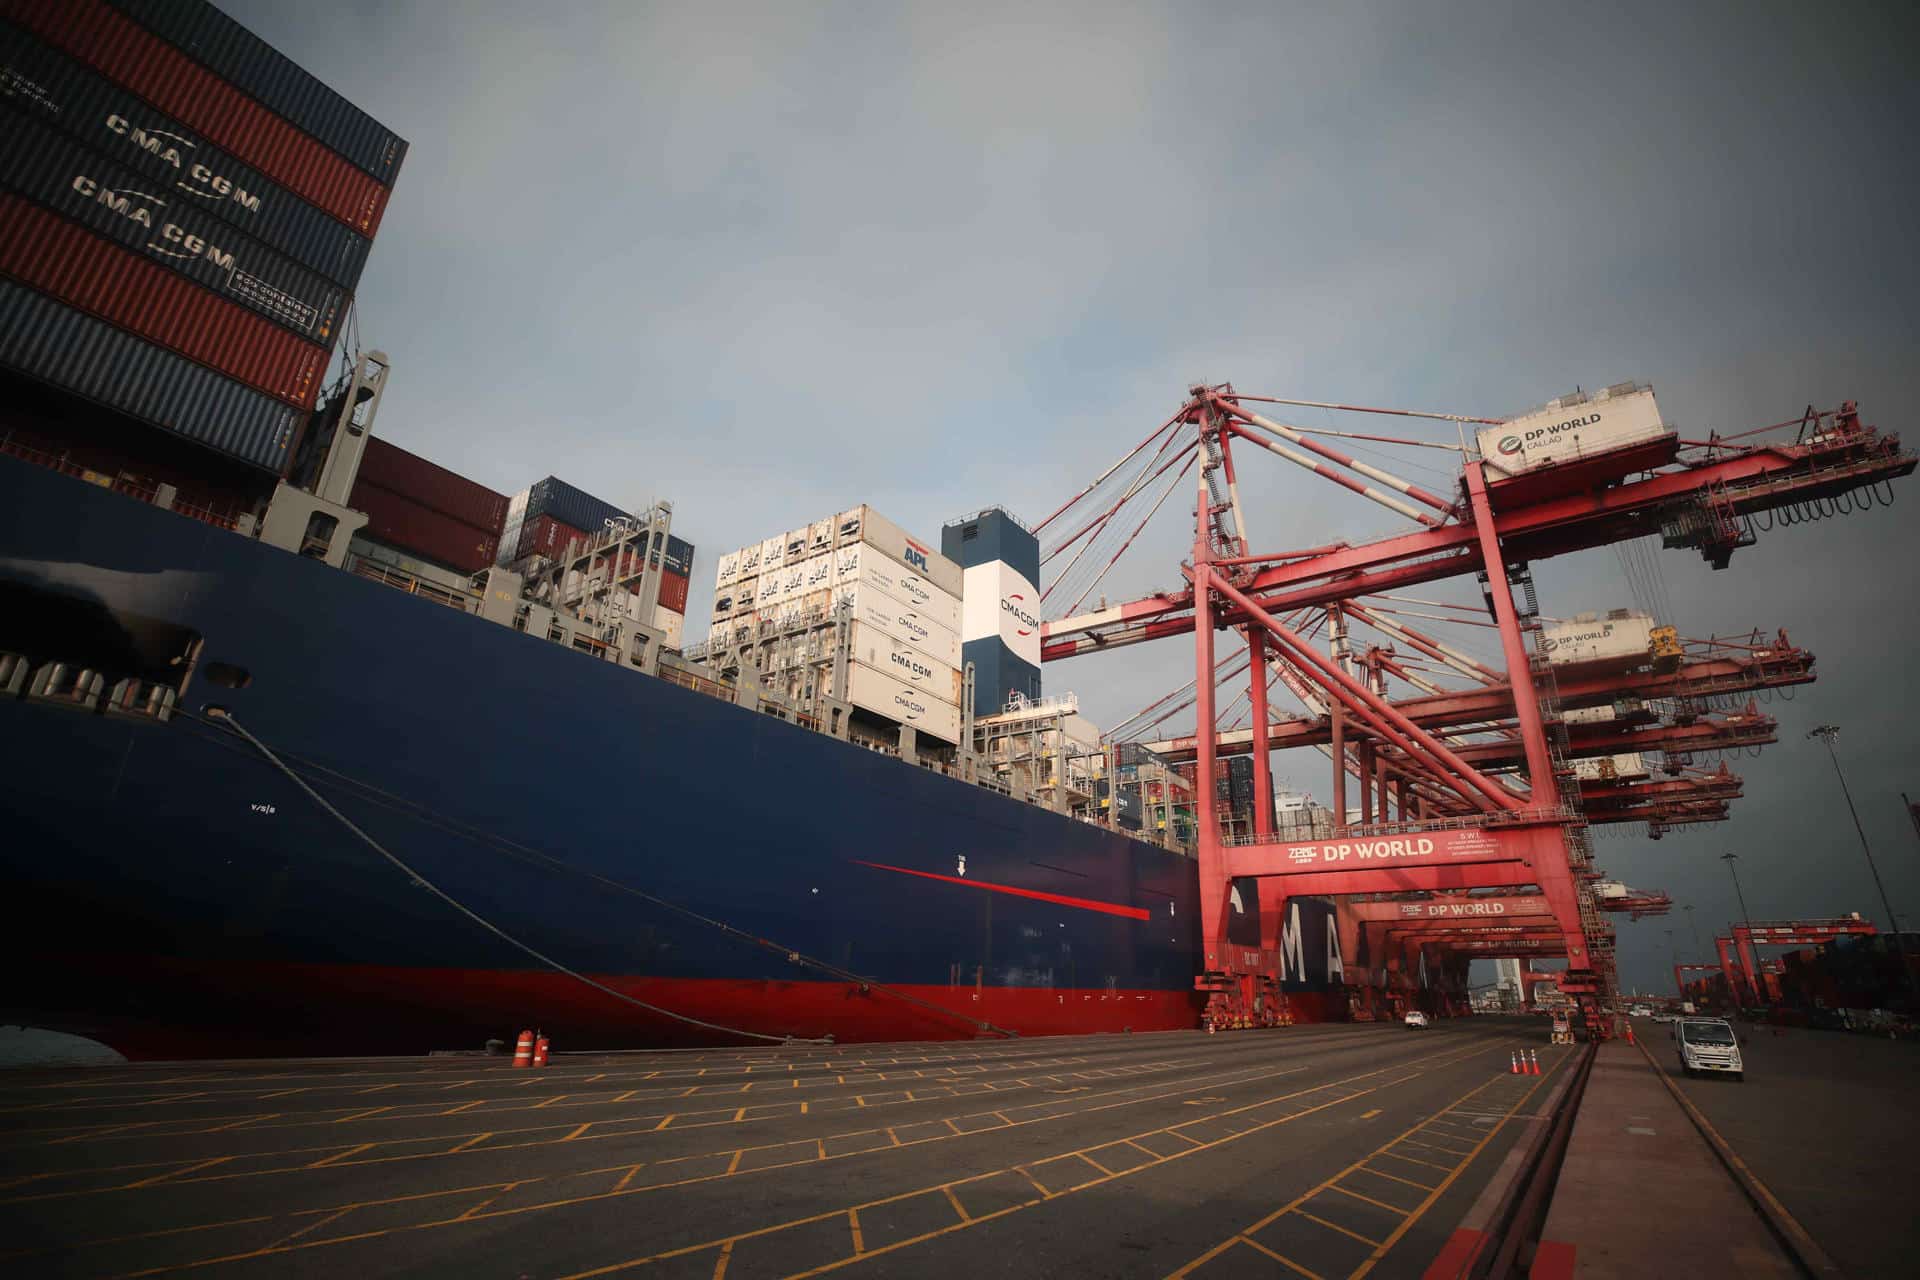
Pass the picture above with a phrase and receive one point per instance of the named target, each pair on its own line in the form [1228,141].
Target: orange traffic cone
[1513,1068]
[1533,1063]
[540,1052]
[523,1051]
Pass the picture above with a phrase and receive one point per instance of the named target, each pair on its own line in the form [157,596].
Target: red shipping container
[432,535]
[673,592]
[411,476]
[71,264]
[176,85]
[547,536]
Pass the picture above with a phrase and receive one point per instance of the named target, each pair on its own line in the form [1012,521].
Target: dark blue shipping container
[989,536]
[56,344]
[63,94]
[555,497]
[58,173]
[680,556]
[247,62]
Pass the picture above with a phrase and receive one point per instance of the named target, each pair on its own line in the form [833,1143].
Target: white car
[1709,1046]
[1418,1020]
[1640,1011]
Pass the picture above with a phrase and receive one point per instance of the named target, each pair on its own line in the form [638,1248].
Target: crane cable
[226,717]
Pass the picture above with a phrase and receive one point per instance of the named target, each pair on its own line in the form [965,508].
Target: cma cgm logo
[913,709]
[916,556]
[1029,623]
[178,243]
[918,670]
[200,180]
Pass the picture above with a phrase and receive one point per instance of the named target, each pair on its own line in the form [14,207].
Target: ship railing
[400,580]
[128,485]
[699,684]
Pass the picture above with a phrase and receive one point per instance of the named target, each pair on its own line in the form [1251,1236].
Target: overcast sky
[771,261]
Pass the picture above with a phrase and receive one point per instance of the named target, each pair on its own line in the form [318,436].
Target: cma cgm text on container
[58,173]
[136,59]
[177,163]
[69,263]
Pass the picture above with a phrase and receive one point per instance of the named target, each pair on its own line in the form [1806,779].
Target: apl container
[55,171]
[158,305]
[168,80]
[864,563]
[190,171]
[56,344]
[244,59]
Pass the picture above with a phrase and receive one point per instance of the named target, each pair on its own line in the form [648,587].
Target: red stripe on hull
[265,1010]
[1060,899]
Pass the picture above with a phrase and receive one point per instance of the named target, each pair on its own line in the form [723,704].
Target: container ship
[313,745]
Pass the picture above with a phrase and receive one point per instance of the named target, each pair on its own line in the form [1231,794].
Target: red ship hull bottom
[174,1009]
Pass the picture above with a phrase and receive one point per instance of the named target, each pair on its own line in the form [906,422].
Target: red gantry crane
[1459,789]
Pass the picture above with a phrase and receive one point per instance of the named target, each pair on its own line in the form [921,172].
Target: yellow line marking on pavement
[1392,1177]
[476,1138]
[720,1264]
[1371,1114]
[853,1220]
[341,1155]
[1379,1204]
[1395,1155]
[192,1168]
[1333,1226]
[970,1221]
[362,1115]
[311,1226]
[737,1157]
[1283,1261]
[622,1184]
[577,1132]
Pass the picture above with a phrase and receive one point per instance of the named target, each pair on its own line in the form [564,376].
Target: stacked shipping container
[412,505]
[191,204]
[904,598]
[545,517]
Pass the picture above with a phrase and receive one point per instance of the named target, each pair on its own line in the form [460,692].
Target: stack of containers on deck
[420,509]
[188,213]
[545,518]
[1000,633]
[903,598]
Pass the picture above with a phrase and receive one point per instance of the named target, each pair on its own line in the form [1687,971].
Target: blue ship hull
[176,895]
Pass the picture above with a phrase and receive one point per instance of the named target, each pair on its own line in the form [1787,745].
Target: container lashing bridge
[1460,790]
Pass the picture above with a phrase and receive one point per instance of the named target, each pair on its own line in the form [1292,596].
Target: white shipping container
[1590,715]
[727,569]
[1571,428]
[671,623]
[864,524]
[820,536]
[901,621]
[796,546]
[879,692]
[1624,637]
[818,571]
[749,563]
[861,563]
[746,594]
[1628,766]
[773,553]
[903,662]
